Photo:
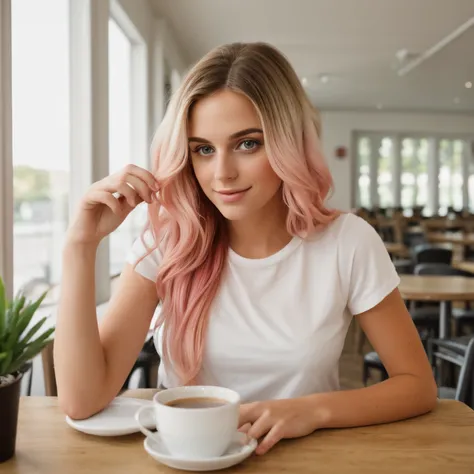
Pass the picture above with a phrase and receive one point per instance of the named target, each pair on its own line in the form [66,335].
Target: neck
[262,234]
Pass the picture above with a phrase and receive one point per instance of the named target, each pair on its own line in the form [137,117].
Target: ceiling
[354,42]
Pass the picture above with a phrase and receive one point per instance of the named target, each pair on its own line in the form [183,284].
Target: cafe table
[442,289]
[439,442]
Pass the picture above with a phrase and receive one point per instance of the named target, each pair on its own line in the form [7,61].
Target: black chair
[147,363]
[427,253]
[448,351]
[28,371]
[428,315]
[372,361]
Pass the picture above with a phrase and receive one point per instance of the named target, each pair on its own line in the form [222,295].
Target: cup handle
[138,414]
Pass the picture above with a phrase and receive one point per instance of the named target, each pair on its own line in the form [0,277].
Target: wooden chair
[49,376]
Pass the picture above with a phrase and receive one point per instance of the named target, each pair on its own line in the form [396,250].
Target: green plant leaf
[33,330]
[35,348]
[18,304]
[21,321]
[4,366]
[16,317]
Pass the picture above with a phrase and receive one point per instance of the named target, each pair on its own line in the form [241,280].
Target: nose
[225,167]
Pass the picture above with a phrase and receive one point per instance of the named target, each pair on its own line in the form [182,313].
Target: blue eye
[249,145]
[204,150]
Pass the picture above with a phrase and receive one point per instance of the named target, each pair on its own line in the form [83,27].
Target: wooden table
[444,289]
[439,442]
[466,265]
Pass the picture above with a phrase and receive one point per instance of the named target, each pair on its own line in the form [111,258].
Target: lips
[229,192]
[232,195]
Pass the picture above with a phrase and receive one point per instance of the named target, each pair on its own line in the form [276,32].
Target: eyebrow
[235,135]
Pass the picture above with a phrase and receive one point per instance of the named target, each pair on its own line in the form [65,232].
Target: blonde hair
[189,231]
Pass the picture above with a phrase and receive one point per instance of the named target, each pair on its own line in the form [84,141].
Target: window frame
[433,164]
[89,157]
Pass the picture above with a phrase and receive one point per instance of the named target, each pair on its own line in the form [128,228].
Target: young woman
[258,280]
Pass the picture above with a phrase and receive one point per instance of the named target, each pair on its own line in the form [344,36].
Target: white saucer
[239,450]
[117,419]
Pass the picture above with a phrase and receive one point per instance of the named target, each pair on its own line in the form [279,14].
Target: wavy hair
[189,232]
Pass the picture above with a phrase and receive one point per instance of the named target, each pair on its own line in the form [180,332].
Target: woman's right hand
[100,212]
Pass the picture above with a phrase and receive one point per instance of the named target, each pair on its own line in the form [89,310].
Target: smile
[232,195]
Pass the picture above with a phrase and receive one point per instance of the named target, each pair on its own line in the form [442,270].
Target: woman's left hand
[278,419]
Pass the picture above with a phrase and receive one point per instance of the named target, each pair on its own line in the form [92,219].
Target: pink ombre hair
[188,230]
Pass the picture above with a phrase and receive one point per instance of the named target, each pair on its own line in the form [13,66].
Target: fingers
[261,426]
[274,435]
[245,428]
[103,197]
[134,183]
[143,174]
[248,413]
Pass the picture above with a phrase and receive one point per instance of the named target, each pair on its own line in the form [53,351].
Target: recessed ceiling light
[304,81]
[468,85]
[457,100]
[324,78]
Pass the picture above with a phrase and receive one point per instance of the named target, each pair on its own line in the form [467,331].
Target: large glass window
[120,137]
[40,102]
[450,175]
[407,168]
[414,178]
[363,181]
[469,154]
[385,173]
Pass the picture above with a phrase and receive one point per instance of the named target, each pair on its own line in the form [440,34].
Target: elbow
[76,409]
[429,395]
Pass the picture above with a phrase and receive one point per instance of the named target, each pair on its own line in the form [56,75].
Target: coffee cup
[194,422]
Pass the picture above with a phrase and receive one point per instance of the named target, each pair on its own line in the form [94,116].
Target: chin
[233,214]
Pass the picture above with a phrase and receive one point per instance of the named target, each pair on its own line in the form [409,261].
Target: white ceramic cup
[194,433]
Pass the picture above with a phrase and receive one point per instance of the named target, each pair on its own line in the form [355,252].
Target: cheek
[266,177]
[202,173]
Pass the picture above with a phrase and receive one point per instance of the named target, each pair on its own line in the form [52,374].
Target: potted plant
[18,345]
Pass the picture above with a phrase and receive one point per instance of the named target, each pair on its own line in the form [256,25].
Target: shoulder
[144,255]
[348,228]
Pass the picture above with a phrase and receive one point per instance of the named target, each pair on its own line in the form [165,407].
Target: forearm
[79,358]
[397,398]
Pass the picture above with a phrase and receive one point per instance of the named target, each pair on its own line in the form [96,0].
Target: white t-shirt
[278,324]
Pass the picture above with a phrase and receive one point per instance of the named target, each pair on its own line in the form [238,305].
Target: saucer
[117,419]
[239,449]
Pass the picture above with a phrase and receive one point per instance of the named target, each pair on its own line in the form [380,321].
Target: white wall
[165,52]
[338,128]
[161,47]
[141,15]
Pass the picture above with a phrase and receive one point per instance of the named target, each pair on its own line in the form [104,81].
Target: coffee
[197,402]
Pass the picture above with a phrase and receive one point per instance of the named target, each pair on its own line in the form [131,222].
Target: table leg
[445,319]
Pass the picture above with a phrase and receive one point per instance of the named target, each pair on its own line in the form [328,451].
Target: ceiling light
[304,81]
[468,85]
[324,78]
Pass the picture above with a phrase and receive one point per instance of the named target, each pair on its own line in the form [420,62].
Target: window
[384,170]
[450,175]
[469,154]
[414,179]
[425,172]
[120,137]
[40,125]
[363,149]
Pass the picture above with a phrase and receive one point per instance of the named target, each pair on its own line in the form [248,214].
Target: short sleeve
[145,263]
[370,272]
